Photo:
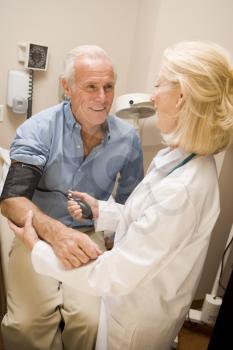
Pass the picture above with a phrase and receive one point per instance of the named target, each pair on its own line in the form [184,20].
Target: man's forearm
[16,209]
[72,247]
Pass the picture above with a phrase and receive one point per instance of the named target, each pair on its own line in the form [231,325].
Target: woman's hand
[75,209]
[26,234]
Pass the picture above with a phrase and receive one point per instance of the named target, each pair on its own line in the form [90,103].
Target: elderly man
[76,145]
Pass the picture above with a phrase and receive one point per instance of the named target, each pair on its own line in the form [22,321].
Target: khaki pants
[36,305]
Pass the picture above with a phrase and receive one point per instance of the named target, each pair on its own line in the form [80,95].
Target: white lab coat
[149,278]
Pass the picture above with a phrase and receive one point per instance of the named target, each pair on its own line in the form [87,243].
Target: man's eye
[91,87]
[109,87]
[156,85]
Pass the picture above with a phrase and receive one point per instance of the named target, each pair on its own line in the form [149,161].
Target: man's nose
[101,94]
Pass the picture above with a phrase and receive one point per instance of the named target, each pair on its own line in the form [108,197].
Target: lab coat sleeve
[150,244]
[46,263]
[110,214]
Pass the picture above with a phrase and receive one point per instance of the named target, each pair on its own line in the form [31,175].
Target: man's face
[92,91]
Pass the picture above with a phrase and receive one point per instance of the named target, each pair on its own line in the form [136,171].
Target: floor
[194,337]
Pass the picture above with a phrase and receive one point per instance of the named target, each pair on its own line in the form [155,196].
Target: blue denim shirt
[51,140]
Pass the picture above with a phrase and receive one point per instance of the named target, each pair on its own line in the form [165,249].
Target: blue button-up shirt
[51,140]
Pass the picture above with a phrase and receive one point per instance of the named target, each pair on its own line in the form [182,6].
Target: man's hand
[74,248]
[26,234]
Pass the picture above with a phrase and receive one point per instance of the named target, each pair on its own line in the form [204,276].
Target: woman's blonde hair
[204,73]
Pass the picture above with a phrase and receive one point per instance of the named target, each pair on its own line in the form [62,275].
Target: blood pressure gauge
[37,57]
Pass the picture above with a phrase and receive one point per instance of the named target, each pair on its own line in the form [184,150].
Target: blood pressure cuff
[21,181]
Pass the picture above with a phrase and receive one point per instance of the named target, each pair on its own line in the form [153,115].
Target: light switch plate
[1,112]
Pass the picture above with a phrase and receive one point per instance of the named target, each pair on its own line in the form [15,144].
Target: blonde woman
[149,278]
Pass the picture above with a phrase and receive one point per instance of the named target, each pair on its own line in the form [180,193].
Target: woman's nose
[153,100]
[153,97]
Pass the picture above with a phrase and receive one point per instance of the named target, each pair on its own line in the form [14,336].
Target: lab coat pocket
[119,337]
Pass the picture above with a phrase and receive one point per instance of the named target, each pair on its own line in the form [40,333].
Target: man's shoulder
[41,119]
[49,113]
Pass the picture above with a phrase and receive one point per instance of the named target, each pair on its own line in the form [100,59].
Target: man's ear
[66,87]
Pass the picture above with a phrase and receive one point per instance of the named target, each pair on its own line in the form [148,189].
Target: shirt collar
[69,117]
[72,122]
[167,159]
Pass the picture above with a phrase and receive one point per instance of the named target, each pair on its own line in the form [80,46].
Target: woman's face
[167,100]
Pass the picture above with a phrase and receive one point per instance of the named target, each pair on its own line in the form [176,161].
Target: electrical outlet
[1,112]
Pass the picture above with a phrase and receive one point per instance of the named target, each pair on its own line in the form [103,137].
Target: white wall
[190,20]
[61,25]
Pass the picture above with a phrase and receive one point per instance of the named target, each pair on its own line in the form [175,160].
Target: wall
[190,20]
[61,25]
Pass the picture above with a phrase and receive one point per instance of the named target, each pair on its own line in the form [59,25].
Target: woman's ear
[180,101]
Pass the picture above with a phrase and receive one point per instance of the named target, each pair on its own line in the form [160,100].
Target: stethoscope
[186,160]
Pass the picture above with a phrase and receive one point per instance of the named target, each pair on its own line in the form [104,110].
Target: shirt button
[78,146]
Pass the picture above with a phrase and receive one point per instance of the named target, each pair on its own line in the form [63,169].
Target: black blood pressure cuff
[21,181]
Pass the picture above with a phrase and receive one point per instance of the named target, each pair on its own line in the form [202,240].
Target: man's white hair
[92,52]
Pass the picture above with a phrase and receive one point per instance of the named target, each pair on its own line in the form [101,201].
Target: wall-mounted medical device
[34,56]
[20,83]
[18,90]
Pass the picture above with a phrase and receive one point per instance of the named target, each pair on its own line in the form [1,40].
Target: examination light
[134,106]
